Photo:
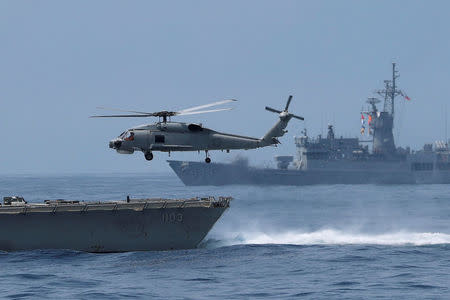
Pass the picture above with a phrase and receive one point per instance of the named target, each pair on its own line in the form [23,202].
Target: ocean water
[312,242]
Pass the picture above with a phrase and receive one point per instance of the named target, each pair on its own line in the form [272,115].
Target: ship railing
[135,204]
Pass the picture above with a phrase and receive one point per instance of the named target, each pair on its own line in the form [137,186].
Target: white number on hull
[172,218]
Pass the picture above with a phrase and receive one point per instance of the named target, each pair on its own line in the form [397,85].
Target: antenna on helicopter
[285,111]
[165,114]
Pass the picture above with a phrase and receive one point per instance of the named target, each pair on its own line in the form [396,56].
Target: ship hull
[197,173]
[108,230]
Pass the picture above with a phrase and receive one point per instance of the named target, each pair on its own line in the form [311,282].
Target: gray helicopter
[167,136]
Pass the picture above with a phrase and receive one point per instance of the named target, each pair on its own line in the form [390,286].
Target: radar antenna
[373,102]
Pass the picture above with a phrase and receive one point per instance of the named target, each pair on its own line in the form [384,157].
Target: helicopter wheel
[207,159]
[148,155]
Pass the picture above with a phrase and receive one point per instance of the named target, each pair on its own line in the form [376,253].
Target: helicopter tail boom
[278,130]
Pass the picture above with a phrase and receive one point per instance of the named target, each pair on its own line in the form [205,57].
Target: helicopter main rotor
[165,114]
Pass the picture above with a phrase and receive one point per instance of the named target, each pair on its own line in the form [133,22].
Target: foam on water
[337,237]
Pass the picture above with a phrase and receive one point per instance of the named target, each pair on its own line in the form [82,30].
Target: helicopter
[168,136]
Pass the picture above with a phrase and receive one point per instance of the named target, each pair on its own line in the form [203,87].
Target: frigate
[338,160]
[110,226]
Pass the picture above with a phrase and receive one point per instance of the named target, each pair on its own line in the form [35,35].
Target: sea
[274,242]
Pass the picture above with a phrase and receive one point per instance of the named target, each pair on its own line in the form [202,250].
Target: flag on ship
[363,128]
[405,96]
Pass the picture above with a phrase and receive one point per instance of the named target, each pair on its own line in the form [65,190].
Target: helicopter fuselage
[176,136]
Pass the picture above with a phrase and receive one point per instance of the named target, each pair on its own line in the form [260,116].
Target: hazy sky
[61,59]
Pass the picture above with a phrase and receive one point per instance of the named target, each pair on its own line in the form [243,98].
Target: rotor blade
[201,111]
[273,110]
[116,109]
[206,105]
[288,102]
[297,117]
[121,116]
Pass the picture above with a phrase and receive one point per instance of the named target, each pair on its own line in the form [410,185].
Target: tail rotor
[288,102]
[285,113]
[278,130]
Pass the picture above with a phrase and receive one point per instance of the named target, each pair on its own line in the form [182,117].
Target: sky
[59,60]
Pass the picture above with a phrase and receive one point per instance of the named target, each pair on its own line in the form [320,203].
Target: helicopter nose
[115,144]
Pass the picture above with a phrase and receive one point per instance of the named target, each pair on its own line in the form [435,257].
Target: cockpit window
[127,136]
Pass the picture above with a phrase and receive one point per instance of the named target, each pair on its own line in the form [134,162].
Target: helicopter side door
[140,139]
[155,139]
[159,137]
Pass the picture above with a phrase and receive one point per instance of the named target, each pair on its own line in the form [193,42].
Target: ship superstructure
[348,152]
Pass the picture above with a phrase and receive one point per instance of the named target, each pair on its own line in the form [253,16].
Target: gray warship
[337,160]
[112,226]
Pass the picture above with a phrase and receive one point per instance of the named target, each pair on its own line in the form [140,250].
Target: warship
[110,226]
[337,160]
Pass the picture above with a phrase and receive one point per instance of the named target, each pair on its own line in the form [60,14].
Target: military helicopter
[167,136]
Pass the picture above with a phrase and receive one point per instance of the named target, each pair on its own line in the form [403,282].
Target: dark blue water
[340,241]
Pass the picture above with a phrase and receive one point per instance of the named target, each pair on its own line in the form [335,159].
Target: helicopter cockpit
[127,135]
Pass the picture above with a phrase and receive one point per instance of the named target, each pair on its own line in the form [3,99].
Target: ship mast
[381,123]
[390,91]
[394,76]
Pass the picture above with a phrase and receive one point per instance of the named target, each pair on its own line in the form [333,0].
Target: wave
[337,237]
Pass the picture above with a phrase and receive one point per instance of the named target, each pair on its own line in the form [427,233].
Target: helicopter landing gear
[207,159]
[148,155]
